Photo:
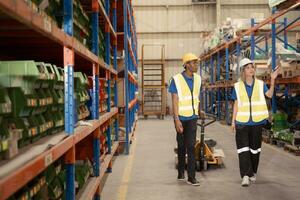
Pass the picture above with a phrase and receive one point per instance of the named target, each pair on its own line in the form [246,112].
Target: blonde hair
[242,73]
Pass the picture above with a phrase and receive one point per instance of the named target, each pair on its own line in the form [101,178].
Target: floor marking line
[122,191]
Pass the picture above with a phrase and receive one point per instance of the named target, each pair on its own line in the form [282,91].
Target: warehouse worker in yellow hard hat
[185,90]
[250,113]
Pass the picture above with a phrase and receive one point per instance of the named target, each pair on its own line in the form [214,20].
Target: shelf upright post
[252,56]
[226,89]
[95,98]
[126,77]
[286,100]
[69,69]
[69,100]
[273,36]
[107,61]
[115,67]
[218,78]
[201,91]
[95,50]
[96,156]
[238,55]
[266,45]
[205,92]
[212,82]
[285,37]
[70,173]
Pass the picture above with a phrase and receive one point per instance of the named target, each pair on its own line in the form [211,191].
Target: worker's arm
[177,122]
[274,75]
[235,109]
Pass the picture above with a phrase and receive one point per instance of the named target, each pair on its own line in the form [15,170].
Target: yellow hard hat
[189,57]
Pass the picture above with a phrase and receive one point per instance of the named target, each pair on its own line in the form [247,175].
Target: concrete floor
[148,173]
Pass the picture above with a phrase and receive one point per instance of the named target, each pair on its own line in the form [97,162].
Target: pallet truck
[205,153]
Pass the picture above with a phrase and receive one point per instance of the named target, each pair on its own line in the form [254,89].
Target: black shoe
[180,177]
[193,181]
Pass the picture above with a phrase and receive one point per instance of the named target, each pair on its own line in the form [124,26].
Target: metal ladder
[153,83]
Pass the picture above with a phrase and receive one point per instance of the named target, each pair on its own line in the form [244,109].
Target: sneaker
[245,181]
[253,178]
[180,177]
[193,181]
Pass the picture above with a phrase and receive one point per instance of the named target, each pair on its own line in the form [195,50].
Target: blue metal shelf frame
[115,51]
[69,88]
[95,98]
[69,97]
[126,61]
[224,54]
[130,60]
[107,61]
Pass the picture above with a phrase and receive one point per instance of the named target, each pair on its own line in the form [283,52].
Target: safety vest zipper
[193,101]
[250,109]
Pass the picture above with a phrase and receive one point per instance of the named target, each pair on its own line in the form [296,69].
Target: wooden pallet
[293,149]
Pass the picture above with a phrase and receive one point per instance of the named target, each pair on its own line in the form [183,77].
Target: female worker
[250,114]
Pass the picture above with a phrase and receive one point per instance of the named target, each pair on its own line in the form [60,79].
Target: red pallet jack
[205,153]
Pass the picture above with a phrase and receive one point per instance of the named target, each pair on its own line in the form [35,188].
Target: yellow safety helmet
[189,57]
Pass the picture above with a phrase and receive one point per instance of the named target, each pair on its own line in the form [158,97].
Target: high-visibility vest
[255,106]
[188,100]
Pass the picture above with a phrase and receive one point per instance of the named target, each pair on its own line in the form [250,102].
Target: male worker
[185,90]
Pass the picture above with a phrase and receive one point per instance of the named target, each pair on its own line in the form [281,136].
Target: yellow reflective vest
[188,100]
[255,106]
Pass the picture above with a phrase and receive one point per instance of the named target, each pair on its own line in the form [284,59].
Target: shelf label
[48,159]
[47,25]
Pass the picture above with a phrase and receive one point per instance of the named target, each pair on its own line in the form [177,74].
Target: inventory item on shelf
[33,102]
[51,8]
[50,185]
[273,3]
[84,170]
[27,83]
[81,95]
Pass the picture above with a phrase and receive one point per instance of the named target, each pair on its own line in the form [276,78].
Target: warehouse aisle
[148,173]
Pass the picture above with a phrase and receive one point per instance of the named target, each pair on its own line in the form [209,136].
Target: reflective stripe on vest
[185,101]
[259,109]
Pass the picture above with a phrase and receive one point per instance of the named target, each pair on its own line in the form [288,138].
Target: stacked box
[49,185]
[81,95]
[82,29]
[56,111]
[27,84]
[84,169]
[54,9]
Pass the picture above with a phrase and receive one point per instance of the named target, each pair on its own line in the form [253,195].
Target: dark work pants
[186,144]
[248,142]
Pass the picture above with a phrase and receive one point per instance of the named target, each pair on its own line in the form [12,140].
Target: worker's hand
[202,115]
[275,73]
[178,126]
[233,127]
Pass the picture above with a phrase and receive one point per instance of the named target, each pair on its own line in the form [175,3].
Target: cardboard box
[120,64]
[121,92]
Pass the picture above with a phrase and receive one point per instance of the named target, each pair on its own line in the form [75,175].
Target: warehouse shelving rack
[218,90]
[127,41]
[27,34]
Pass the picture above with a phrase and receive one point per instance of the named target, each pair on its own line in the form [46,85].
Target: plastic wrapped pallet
[273,3]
